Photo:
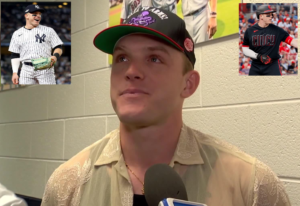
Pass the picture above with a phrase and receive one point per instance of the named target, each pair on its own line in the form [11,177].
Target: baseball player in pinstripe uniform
[200,18]
[31,42]
[131,6]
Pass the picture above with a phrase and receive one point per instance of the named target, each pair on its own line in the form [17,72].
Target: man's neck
[150,145]
[29,26]
[262,24]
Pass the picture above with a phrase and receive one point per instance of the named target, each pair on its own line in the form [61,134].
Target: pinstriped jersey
[34,43]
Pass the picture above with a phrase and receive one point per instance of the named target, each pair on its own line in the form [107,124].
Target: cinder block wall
[43,126]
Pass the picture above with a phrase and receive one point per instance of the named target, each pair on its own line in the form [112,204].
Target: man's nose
[134,71]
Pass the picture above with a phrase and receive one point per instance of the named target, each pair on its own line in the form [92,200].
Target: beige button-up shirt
[213,171]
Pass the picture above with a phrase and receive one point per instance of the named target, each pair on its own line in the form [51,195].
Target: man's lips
[133,91]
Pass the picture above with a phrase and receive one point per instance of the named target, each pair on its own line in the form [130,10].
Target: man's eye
[121,59]
[155,59]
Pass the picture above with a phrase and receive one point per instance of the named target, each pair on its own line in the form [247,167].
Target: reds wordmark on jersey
[265,40]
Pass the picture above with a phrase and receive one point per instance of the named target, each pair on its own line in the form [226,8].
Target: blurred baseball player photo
[204,20]
[32,45]
[131,6]
[200,18]
[262,42]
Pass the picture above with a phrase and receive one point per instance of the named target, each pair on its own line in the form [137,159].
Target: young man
[261,43]
[34,41]
[152,73]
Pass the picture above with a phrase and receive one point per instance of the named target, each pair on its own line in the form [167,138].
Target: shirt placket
[124,187]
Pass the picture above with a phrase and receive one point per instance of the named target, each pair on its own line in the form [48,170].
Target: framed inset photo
[268,39]
[35,43]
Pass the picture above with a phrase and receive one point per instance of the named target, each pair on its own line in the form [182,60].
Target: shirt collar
[186,153]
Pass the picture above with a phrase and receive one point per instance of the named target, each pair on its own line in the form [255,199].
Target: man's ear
[192,80]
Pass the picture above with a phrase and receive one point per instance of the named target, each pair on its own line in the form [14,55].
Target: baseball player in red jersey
[261,43]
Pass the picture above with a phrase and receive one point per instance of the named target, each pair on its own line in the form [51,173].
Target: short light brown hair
[187,65]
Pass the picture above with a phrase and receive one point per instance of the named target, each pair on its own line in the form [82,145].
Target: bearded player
[261,43]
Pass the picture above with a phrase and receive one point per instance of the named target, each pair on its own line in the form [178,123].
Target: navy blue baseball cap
[163,24]
[32,8]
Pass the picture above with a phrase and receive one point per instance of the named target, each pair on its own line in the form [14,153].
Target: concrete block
[81,133]
[97,93]
[47,140]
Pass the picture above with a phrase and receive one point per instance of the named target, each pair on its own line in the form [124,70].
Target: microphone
[164,187]
[175,202]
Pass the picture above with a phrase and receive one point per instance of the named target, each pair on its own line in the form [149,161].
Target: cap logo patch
[269,7]
[188,44]
[36,6]
[142,20]
[27,10]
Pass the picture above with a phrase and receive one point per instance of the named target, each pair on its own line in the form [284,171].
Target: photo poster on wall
[220,15]
[285,17]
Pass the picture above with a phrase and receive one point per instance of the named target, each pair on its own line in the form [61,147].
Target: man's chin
[131,117]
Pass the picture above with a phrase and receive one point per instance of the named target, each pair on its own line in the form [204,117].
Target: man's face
[267,18]
[146,80]
[34,18]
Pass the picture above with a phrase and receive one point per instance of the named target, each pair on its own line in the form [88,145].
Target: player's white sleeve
[294,43]
[55,40]
[8,198]
[124,10]
[15,63]
[249,53]
[14,45]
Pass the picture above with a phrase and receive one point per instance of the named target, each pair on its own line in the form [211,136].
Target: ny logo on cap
[36,6]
